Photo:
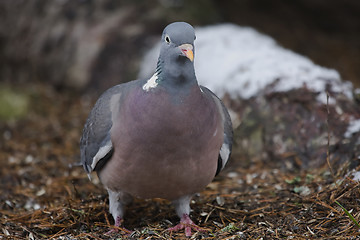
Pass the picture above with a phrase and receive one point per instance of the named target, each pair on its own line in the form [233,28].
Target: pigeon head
[177,52]
[179,38]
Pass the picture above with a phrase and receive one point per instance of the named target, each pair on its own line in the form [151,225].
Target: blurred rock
[84,43]
[326,31]
[291,129]
[62,42]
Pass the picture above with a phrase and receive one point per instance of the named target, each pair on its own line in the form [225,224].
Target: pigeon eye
[167,39]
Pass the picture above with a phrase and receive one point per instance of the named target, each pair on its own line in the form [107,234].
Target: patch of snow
[353,127]
[302,190]
[243,62]
[32,205]
[356,176]
[232,174]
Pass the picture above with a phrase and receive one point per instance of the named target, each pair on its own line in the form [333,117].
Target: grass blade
[349,214]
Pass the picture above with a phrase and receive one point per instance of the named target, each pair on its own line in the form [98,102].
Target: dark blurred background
[82,44]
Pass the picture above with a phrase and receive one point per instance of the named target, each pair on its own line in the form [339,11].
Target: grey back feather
[228,130]
[96,132]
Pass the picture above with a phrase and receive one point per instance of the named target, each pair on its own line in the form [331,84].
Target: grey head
[175,64]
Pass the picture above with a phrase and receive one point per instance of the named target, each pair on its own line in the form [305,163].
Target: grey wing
[95,144]
[226,147]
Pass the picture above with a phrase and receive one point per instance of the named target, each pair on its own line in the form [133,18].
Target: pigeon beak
[187,50]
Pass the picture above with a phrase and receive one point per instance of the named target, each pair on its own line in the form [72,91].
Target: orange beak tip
[190,55]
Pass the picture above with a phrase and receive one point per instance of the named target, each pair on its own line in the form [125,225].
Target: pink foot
[188,224]
[117,227]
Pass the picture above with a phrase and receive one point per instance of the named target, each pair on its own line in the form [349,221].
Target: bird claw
[114,230]
[117,228]
[187,224]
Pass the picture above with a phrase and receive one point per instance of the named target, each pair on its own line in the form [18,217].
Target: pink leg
[117,226]
[188,224]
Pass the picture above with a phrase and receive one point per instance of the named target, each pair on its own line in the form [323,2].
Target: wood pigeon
[163,137]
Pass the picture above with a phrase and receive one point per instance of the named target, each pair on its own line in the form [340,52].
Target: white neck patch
[151,83]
